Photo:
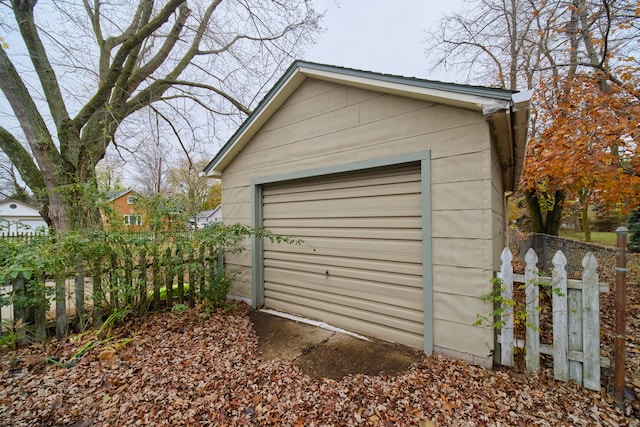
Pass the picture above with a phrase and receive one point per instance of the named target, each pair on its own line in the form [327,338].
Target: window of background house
[132,219]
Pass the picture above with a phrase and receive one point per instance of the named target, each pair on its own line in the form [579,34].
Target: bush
[126,268]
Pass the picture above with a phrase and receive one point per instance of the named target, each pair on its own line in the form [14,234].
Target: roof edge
[299,70]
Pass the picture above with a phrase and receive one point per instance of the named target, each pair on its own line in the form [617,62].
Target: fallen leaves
[186,370]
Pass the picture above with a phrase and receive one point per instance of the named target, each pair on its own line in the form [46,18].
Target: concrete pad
[283,338]
[323,353]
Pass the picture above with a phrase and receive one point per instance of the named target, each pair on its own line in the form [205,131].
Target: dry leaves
[190,370]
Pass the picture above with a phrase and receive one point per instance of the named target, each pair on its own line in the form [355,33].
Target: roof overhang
[506,111]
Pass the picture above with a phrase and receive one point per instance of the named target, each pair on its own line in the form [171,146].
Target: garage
[395,187]
[359,265]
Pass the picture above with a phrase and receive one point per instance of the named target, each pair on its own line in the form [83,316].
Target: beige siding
[323,124]
[357,261]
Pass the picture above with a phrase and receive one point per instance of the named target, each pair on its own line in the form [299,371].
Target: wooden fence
[129,279]
[21,235]
[575,313]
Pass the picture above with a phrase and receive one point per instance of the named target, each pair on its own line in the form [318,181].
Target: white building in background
[18,217]
[205,218]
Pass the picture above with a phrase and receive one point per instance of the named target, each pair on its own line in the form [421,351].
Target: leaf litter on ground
[194,368]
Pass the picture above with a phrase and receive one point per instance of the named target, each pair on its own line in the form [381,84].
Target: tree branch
[22,160]
[241,107]
[104,91]
[23,12]
[175,131]
[28,116]
[154,63]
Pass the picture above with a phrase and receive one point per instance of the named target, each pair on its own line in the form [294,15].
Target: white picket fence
[576,319]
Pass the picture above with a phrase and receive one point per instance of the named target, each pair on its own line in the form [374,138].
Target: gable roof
[32,209]
[506,111]
[26,204]
[112,195]
[208,213]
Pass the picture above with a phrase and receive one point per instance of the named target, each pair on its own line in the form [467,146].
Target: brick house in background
[126,208]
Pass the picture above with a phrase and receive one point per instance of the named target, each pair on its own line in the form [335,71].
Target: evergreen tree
[634,231]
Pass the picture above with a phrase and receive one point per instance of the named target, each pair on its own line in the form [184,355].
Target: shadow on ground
[323,353]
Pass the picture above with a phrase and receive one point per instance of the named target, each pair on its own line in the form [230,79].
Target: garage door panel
[371,190]
[399,205]
[333,252]
[339,301]
[340,261]
[407,320]
[366,230]
[369,246]
[366,281]
[350,233]
[407,298]
[365,181]
[391,211]
[384,222]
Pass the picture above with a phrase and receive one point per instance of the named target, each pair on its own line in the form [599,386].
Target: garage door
[360,264]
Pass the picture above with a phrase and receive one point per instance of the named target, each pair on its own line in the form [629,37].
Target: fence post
[97,294]
[79,294]
[192,279]
[531,279]
[20,316]
[180,273]
[202,269]
[620,333]
[506,331]
[560,327]
[61,305]
[155,274]
[142,279]
[168,277]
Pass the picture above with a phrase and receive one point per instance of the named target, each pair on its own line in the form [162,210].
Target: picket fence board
[533,315]
[560,326]
[591,322]
[575,311]
[506,275]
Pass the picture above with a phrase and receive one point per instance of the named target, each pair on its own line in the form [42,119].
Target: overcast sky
[384,36]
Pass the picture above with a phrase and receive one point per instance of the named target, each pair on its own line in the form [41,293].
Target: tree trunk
[551,222]
[73,204]
[585,223]
[535,213]
[554,218]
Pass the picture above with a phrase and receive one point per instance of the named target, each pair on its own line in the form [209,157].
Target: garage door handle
[326,274]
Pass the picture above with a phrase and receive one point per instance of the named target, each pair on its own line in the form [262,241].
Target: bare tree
[109,173]
[97,66]
[10,185]
[198,192]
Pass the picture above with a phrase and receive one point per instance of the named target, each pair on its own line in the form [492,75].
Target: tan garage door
[360,265]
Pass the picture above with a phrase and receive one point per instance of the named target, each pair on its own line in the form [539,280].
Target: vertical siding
[323,124]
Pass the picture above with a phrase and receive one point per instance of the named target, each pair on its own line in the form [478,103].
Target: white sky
[384,36]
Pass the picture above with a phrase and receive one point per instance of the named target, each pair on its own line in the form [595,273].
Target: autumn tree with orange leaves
[587,148]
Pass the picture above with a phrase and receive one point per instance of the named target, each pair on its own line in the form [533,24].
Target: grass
[604,238]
